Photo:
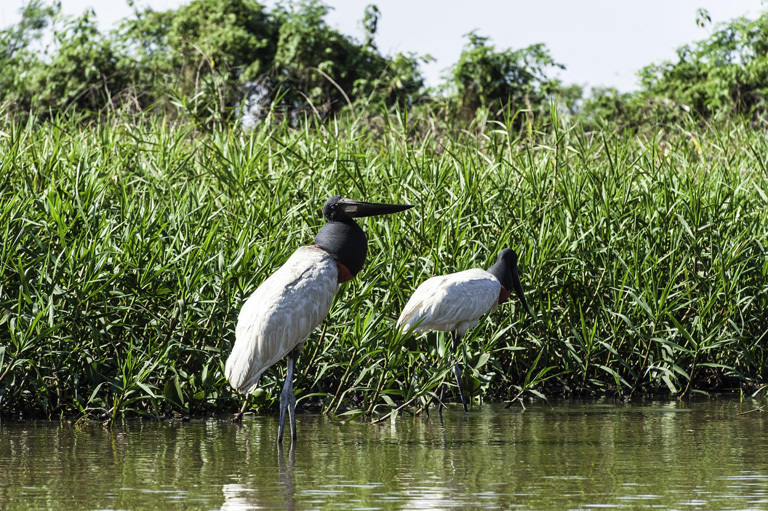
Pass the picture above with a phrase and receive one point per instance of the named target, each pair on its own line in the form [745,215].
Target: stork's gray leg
[456,368]
[287,399]
[239,415]
[455,340]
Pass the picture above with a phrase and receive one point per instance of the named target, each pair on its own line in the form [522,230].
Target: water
[566,455]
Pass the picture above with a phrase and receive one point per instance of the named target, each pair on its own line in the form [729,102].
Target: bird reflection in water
[241,497]
[286,474]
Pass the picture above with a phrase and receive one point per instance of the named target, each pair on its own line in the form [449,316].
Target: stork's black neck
[345,241]
[503,272]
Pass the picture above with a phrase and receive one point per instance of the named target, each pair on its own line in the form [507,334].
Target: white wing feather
[451,302]
[281,314]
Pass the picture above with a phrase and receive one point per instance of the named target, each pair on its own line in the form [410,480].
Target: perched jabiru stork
[278,317]
[454,303]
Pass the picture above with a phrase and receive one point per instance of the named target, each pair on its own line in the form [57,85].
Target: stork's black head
[505,269]
[342,237]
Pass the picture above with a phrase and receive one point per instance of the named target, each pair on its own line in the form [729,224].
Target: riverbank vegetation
[138,211]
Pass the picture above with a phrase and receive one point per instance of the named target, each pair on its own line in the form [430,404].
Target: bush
[498,80]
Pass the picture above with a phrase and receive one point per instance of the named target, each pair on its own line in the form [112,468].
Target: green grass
[130,245]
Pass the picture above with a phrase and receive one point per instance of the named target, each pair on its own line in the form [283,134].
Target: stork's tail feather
[238,377]
[405,324]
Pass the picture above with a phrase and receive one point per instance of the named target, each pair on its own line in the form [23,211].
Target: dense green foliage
[130,247]
[213,61]
[137,216]
[729,69]
[201,61]
[492,80]
[724,74]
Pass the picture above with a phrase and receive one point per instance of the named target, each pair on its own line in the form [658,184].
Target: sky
[602,43]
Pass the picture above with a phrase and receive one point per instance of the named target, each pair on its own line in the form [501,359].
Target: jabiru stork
[279,316]
[455,303]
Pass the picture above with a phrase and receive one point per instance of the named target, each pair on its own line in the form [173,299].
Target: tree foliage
[202,53]
[83,73]
[485,77]
[724,74]
[204,60]
[212,61]
[728,70]
[17,56]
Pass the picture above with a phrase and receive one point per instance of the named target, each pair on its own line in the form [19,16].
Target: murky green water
[560,456]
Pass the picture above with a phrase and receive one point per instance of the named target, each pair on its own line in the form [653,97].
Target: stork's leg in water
[455,340]
[239,415]
[457,369]
[287,399]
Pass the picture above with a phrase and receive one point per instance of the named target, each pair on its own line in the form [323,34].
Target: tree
[487,78]
[728,71]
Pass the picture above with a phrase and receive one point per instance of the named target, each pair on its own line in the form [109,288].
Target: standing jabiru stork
[279,316]
[454,303]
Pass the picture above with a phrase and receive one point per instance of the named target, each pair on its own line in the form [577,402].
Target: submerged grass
[129,247]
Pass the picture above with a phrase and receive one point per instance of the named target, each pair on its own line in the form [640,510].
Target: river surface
[710,454]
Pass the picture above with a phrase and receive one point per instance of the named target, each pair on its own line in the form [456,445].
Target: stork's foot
[441,399]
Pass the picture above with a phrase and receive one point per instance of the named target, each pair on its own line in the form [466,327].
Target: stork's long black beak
[358,209]
[519,290]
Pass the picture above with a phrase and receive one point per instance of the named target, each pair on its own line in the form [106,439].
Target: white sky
[601,42]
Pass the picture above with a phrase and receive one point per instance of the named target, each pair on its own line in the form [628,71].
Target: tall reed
[130,245]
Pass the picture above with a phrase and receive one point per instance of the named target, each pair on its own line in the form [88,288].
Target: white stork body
[449,303]
[279,316]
